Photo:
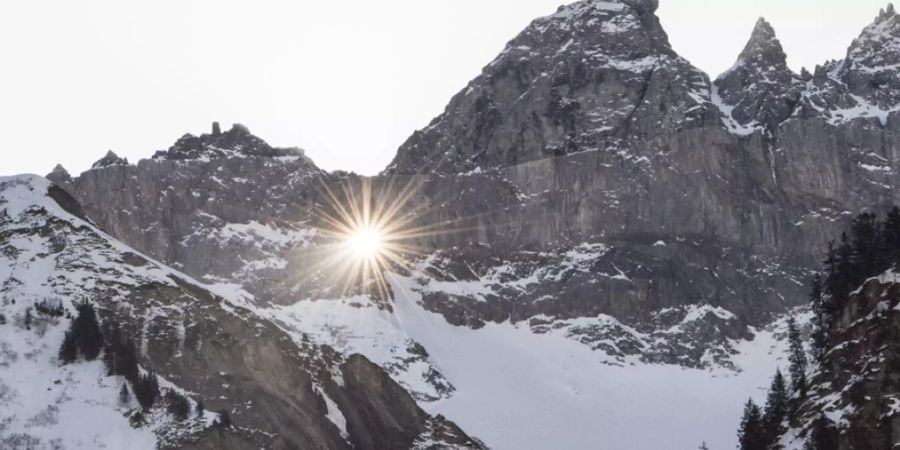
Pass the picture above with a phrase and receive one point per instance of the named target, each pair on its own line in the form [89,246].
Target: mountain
[280,393]
[591,229]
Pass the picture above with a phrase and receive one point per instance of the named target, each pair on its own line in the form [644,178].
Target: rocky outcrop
[111,159]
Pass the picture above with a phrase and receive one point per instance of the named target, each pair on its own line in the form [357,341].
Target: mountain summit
[764,46]
[585,78]
[759,91]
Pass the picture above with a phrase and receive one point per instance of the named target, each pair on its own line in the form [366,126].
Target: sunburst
[369,231]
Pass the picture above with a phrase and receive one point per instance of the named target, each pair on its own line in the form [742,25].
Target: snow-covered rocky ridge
[198,342]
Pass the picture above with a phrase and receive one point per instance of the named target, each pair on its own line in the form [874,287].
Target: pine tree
[87,332]
[891,237]
[127,360]
[703,446]
[111,348]
[822,436]
[28,318]
[820,317]
[750,432]
[124,395]
[146,389]
[776,409]
[200,408]
[177,405]
[224,420]
[797,358]
[867,256]
[120,355]
[68,351]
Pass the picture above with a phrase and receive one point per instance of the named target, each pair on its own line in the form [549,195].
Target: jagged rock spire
[764,46]
[870,68]
[60,175]
[236,141]
[886,13]
[111,159]
[759,91]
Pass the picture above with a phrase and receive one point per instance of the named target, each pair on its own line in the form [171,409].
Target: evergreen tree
[87,332]
[68,351]
[703,446]
[891,237]
[124,395]
[177,405]
[797,358]
[146,389]
[820,317]
[822,436]
[110,351]
[200,408]
[776,409]
[224,420]
[867,255]
[750,432]
[127,360]
[28,318]
[844,276]
[120,355]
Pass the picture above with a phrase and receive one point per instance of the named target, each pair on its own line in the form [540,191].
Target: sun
[369,227]
[366,242]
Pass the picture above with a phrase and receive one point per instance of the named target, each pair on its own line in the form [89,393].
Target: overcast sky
[347,80]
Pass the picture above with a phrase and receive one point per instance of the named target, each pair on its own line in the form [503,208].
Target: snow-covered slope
[519,389]
[44,404]
[280,394]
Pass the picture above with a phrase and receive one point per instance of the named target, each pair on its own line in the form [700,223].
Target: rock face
[278,391]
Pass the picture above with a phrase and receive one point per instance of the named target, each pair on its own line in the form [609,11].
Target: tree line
[870,247]
[87,340]
[761,428]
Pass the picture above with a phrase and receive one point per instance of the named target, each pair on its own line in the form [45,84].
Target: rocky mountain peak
[760,91]
[110,159]
[887,13]
[873,60]
[764,46]
[578,78]
[237,141]
[61,171]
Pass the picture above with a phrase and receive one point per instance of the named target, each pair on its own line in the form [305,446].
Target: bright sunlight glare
[366,242]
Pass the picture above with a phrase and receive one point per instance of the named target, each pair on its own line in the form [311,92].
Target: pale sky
[346,80]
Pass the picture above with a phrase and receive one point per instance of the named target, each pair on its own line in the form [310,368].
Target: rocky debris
[111,159]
